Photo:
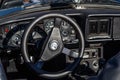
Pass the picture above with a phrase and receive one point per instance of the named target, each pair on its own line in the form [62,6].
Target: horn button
[53,45]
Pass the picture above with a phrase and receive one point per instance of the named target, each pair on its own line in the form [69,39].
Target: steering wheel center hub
[53,45]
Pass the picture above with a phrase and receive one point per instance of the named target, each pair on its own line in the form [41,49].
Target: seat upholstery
[111,71]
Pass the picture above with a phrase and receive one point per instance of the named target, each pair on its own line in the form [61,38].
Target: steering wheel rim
[41,72]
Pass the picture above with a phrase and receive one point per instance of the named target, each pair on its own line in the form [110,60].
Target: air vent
[99,28]
[93,27]
[104,26]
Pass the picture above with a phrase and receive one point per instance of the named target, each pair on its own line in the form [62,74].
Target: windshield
[78,1]
[98,1]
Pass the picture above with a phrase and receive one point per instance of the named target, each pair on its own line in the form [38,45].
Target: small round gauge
[49,24]
[16,40]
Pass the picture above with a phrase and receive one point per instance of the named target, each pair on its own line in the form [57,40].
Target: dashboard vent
[116,28]
[104,26]
[99,28]
[93,29]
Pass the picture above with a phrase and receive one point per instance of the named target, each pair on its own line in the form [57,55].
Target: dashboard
[99,27]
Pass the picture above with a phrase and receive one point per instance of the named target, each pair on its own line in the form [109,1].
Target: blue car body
[4,12]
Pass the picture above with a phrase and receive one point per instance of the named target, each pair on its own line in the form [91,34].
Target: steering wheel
[53,46]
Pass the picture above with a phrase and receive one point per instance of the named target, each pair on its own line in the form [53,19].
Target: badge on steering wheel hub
[53,45]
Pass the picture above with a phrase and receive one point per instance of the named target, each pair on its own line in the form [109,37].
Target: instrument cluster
[13,33]
[68,34]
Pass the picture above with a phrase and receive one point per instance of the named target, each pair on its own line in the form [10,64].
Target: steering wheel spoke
[53,45]
[70,53]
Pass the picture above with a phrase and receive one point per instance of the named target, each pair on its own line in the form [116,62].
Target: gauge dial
[16,38]
[49,24]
